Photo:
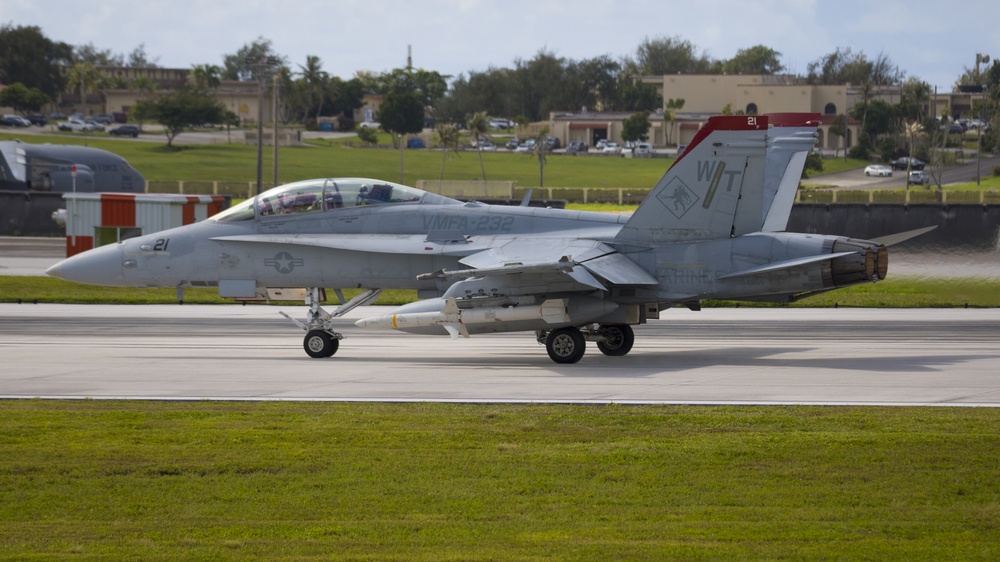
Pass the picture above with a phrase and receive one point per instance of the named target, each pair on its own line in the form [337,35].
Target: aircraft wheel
[620,340]
[319,344]
[565,345]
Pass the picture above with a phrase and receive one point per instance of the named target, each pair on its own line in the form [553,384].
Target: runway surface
[737,356]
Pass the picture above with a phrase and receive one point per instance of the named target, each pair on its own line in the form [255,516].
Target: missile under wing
[711,228]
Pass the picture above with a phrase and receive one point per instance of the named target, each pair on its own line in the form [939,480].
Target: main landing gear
[567,345]
[321,339]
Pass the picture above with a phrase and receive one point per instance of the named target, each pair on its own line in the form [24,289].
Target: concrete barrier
[969,226]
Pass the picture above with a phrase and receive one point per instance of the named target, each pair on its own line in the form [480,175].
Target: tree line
[528,90]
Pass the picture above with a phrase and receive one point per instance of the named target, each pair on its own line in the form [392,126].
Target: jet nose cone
[100,266]
[55,271]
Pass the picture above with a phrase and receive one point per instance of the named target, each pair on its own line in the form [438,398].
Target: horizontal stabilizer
[893,239]
[787,264]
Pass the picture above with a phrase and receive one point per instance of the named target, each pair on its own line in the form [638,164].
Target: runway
[716,356]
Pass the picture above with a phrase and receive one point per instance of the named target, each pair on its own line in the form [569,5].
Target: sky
[925,39]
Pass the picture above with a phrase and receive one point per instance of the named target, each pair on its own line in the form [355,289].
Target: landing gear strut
[321,339]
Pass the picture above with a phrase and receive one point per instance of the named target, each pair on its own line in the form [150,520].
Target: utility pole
[259,64]
[276,75]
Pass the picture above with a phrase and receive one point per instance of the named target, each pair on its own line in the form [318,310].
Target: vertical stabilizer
[789,140]
[698,197]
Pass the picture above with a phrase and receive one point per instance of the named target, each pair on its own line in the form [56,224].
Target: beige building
[239,97]
[706,95]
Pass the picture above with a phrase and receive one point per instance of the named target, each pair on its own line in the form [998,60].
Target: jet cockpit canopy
[329,194]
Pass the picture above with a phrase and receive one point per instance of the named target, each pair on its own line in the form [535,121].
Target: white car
[370,125]
[878,170]
[612,148]
[77,126]
[643,148]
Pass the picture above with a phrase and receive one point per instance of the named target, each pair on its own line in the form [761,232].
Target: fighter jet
[711,228]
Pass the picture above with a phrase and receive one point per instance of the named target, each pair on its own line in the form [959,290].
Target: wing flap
[619,270]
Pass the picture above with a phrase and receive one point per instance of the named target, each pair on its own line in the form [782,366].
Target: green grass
[15,289]
[232,162]
[291,481]
[892,293]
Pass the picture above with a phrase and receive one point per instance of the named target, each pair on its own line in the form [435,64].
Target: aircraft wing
[528,265]
[591,255]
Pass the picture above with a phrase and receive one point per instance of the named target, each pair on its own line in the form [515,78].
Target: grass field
[232,162]
[291,481]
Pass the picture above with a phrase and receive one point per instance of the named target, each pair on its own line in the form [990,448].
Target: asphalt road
[738,356]
[856,179]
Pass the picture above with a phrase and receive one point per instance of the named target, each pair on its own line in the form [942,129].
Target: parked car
[500,123]
[125,131]
[486,146]
[878,170]
[956,129]
[919,177]
[526,146]
[512,144]
[904,162]
[102,118]
[642,149]
[37,119]
[601,144]
[15,121]
[612,148]
[56,115]
[370,125]
[77,125]
[94,125]
[577,146]
[552,143]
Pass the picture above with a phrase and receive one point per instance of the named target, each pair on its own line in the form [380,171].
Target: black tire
[620,339]
[565,345]
[319,344]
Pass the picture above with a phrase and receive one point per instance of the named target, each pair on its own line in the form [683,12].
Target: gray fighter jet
[711,228]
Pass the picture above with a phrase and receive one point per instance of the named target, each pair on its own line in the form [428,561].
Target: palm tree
[478,124]
[541,147]
[448,136]
[205,76]
[83,75]
[316,81]
[670,115]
